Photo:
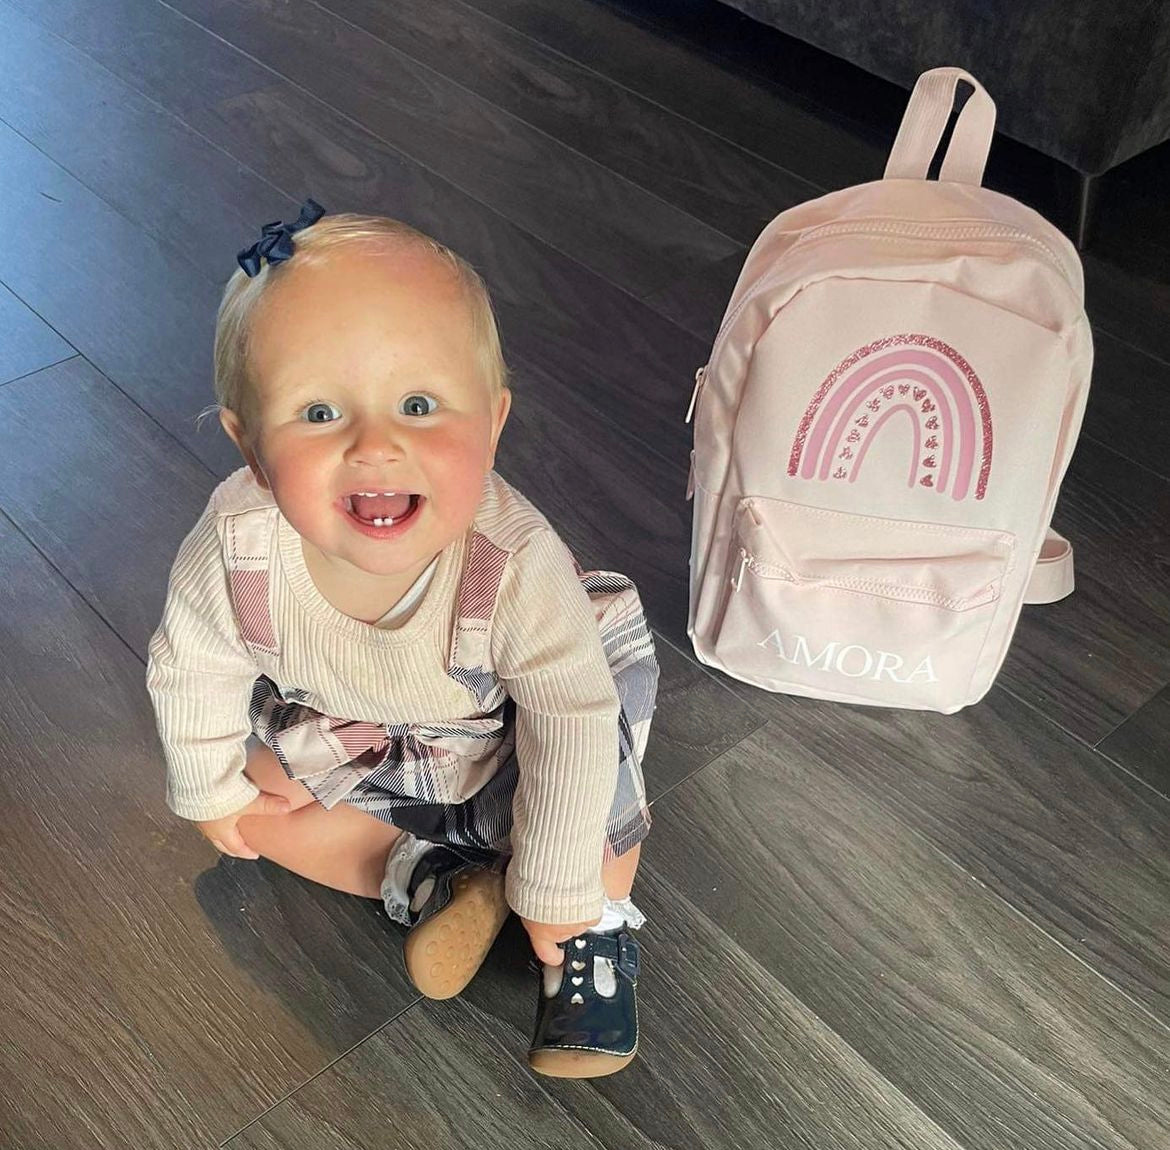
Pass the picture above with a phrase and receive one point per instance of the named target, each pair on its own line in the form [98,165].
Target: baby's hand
[545,937]
[225,835]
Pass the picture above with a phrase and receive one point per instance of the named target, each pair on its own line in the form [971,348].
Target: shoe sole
[443,953]
[577,1063]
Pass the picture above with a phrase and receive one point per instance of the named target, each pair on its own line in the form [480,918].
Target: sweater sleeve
[548,654]
[200,677]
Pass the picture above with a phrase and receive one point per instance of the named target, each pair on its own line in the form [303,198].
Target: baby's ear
[503,406]
[232,424]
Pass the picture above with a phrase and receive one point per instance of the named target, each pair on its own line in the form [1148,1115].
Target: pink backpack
[882,428]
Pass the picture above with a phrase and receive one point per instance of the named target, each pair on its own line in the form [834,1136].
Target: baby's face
[375,425]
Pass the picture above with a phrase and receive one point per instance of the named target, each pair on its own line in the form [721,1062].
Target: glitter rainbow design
[916,378]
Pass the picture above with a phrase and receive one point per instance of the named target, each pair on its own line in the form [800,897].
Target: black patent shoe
[582,1031]
[455,927]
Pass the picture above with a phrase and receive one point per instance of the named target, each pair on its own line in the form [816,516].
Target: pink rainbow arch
[907,377]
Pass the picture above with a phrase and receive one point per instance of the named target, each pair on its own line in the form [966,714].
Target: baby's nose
[375,441]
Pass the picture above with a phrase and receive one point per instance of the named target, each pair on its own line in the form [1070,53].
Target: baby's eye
[321,413]
[418,405]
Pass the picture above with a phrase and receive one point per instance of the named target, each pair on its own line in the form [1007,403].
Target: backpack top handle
[925,120]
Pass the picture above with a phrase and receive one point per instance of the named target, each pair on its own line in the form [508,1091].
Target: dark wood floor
[867,929]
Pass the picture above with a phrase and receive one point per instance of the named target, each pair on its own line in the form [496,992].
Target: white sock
[616,913]
[404,856]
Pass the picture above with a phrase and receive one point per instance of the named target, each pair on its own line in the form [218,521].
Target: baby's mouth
[381,508]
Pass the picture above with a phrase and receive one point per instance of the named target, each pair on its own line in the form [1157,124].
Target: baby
[378,664]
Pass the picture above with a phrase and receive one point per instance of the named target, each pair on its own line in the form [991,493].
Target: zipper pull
[737,582]
[699,376]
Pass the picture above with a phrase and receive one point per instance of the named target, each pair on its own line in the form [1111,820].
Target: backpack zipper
[750,562]
[695,393]
[923,596]
[899,228]
[974,230]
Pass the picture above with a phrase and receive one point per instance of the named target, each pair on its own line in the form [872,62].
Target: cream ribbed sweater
[544,646]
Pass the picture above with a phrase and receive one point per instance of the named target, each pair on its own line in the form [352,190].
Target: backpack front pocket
[858,608]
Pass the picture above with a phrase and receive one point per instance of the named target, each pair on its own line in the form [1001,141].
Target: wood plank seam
[313,1077]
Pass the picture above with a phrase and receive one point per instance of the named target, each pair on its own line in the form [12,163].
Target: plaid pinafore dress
[402,772]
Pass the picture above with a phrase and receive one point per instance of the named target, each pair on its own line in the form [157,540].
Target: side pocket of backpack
[709,543]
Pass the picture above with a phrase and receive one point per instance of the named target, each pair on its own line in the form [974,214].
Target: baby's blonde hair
[233,387]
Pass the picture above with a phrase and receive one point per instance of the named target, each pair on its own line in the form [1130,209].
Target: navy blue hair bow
[276,239]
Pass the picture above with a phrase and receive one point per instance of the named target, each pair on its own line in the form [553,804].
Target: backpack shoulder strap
[1052,577]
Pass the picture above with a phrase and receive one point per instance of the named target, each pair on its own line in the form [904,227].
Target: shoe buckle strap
[442,864]
[621,950]
[629,957]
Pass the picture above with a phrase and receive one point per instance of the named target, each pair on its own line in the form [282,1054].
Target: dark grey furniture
[1085,82]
